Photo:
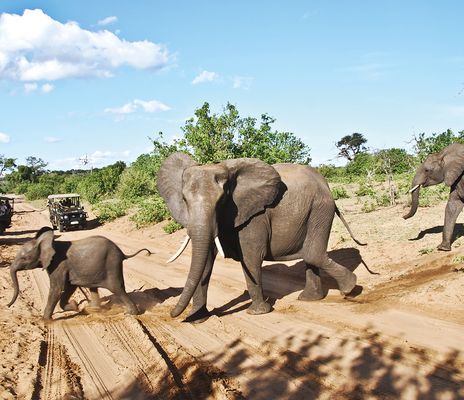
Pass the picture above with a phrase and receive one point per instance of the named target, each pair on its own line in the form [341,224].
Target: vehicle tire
[61,227]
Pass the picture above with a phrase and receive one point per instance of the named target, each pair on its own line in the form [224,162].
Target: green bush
[361,164]
[135,184]
[108,211]
[37,191]
[369,206]
[172,226]
[339,192]
[150,211]
[365,189]
[331,172]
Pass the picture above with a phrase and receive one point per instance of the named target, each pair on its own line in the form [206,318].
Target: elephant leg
[119,290]
[94,303]
[65,304]
[313,288]
[453,209]
[199,311]
[53,297]
[315,246]
[252,271]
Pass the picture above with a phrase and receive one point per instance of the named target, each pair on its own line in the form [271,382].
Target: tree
[6,164]
[214,137]
[351,145]
[36,167]
[425,145]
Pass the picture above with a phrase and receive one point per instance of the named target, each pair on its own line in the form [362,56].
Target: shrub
[365,189]
[37,191]
[172,226]
[369,206]
[134,184]
[339,192]
[150,211]
[108,211]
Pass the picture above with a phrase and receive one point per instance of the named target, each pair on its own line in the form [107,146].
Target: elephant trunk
[201,246]
[14,278]
[414,196]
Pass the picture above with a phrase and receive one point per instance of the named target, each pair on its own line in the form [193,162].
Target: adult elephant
[446,166]
[257,212]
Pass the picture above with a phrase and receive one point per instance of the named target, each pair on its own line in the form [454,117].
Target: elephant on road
[92,262]
[446,166]
[253,212]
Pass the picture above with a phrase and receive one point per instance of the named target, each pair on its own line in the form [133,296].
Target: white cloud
[4,138]
[149,106]
[47,88]
[52,139]
[242,82]
[30,87]
[35,47]
[108,20]
[205,76]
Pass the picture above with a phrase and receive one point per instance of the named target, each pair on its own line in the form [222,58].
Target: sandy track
[375,346]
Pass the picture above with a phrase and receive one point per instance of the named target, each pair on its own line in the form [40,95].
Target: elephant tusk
[413,189]
[219,247]
[181,249]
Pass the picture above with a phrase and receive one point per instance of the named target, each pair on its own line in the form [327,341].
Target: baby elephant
[92,262]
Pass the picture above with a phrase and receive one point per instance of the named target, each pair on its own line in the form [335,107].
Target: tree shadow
[93,224]
[307,366]
[458,232]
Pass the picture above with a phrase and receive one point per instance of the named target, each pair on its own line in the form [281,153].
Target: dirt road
[401,338]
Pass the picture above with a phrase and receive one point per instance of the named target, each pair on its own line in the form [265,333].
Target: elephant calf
[92,262]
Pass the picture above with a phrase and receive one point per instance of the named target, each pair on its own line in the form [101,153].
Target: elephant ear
[257,185]
[453,163]
[169,184]
[45,244]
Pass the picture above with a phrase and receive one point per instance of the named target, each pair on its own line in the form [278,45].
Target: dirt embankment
[401,338]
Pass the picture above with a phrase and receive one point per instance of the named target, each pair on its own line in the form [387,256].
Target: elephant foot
[199,316]
[71,306]
[348,284]
[444,246]
[133,311]
[307,295]
[357,290]
[259,308]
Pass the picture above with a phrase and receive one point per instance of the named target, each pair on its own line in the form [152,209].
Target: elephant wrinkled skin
[259,212]
[92,262]
[446,166]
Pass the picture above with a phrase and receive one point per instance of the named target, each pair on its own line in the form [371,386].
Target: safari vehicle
[66,212]
[6,212]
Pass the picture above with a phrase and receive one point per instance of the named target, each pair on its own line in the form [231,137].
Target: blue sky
[98,78]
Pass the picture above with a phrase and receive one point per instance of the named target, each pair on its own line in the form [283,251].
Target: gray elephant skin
[92,262]
[446,166]
[259,212]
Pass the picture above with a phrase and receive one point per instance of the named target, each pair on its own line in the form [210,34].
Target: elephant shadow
[458,232]
[281,280]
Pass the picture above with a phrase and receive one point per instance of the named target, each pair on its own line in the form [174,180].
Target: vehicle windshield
[67,202]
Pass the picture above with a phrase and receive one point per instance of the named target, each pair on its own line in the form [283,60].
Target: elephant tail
[340,215]
[137,252]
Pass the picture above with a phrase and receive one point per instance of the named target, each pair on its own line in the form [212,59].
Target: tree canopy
[213,137]
[351,145]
